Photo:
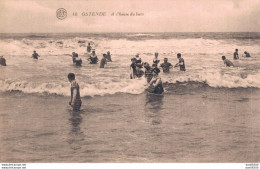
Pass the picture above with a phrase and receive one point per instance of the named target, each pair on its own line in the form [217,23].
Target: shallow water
[207,114]
[196,127]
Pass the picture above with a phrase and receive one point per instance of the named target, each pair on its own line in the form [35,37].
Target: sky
[39,16]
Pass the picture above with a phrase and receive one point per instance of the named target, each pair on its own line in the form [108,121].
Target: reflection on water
[153,107]
[76,136]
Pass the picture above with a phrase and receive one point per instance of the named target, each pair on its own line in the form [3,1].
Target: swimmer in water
[77,60]
[75,100]
[148,72]
[166,66]
[227,62]
[154,67]
[181,63]
[247,54]
[73,57]
[108,56]
[2,61]
[93,58]
[133,70]
[35,55]
[156,83]
[139,62]
[155,59]
[88,48]
[103,61]
[236,54]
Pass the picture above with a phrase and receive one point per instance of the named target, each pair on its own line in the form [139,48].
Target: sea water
[210,113]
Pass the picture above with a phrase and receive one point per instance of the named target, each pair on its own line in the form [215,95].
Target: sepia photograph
[130,81]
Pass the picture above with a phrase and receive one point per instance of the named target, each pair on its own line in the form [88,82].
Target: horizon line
[125,32]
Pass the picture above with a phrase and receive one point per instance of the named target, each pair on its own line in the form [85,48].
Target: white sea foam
[48,74]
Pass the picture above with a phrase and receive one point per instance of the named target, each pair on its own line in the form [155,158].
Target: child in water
[103,61]
[247,54]
[236,54]
[227,62]
[75,100]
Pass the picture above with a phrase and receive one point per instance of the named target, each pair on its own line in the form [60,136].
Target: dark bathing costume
[133,66]
[78,62]
[166,66]
[35,55]
[158,89]
[2,61]
[148,74]
[93,60]
[182,67]
[77,103]
[102,62]
[88,48]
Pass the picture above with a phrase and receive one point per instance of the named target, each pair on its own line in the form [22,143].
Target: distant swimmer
[139,62]
[155,59]
[73,57]
[75,100]
[77,60]
[2,61]
[103,61]
[88,48]
[148,72]
[156,83]
[93,58]
[108,56]
[181,63]
[227,62]
[247,54]
[236,54]
[133,70]
[166,66]
[35,55]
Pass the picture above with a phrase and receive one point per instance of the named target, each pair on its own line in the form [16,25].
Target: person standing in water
[93,58]
[155,59]
[2,61]
[227,62]
[148,72]
[166,66]
[88,48]
[133,71]
[108,56]
[103,61]
[35,55]
[77,60]
[75,100]
[247,54]
[73,57]
[138,61]
[181,63]
[156,83]
[236,54]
